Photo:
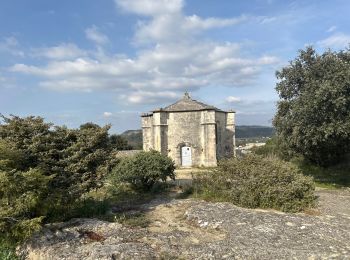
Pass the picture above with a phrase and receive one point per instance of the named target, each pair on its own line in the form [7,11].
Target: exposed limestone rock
[189,229]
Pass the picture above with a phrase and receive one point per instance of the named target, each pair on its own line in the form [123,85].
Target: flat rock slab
[191,229]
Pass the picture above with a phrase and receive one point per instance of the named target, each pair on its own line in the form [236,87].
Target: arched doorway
[186,156]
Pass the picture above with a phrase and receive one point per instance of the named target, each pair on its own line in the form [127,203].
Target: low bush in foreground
[335,176]
[144,170]
[257,182]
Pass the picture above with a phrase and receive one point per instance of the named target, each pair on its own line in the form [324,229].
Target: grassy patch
[186,192]
[334,177]
[99,203]
[132,219]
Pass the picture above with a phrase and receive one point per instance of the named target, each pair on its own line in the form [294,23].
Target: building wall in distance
[209,133]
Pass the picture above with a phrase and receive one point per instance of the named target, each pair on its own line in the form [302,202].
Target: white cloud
[337,40]
[266,20]
[232,99]
[265,60]
[171,27]
[11,42]
[7,82]
[10,45]
[331,29]
[61,51]
[94,34]
[253,110]
[194,22]
[107,114]
[150,7]
[2,79]
[179,59]
[148,97]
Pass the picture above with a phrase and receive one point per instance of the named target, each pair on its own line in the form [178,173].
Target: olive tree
[313,114]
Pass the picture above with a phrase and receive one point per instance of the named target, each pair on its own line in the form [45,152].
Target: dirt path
[334,201]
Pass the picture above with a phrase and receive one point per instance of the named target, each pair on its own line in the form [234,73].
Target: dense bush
[120,143]
[257,182]
[46,169]
[144,169]
[313,114]
[274,147]
[22,195]
[336,176]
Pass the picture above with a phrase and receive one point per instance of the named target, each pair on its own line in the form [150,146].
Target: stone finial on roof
[187,95]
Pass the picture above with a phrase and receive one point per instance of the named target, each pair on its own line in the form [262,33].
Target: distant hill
[252,131]
[134,137]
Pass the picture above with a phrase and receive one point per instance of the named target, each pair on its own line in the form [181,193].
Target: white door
[186,156]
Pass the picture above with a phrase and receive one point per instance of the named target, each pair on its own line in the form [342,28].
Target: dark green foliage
[45,170]
[270,148]
[138,219]
[8,250]
[257,182]
[22,193]
[313,116]
[250,131]
[120,143]
[336,176]
[77,158]
[90,207]
[274,147]
[144,170]
[134,138]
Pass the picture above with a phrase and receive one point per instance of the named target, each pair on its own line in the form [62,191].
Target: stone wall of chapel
[220,119]
[147,132]
[229,141]
[208,125]
[184,128]
[160,132]
[209,133]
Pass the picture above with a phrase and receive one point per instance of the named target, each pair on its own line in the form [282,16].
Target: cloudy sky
[107,61]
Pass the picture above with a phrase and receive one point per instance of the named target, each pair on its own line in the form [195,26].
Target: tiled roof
[188,104]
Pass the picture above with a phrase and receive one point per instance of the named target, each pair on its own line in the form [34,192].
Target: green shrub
[22,195]
[274,147]
[257,182]
[144,170]
[7,250]
[336,176]
[45,170]
[77,159]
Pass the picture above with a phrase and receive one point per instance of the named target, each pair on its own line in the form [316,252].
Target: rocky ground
[192,229]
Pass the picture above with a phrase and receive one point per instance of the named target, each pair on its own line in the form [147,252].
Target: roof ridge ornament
[187,95]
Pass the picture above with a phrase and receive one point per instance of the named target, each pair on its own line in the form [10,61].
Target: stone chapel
[190,132]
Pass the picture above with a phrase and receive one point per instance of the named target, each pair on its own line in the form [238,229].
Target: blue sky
[108,61]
